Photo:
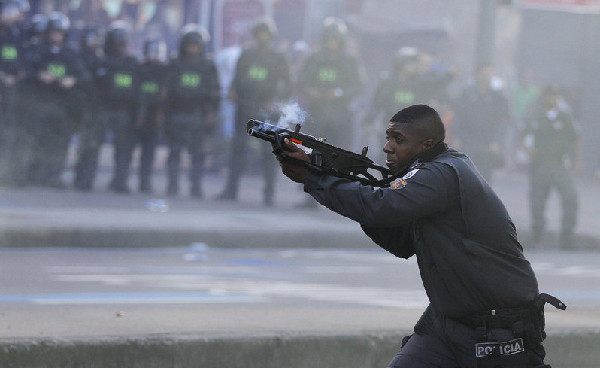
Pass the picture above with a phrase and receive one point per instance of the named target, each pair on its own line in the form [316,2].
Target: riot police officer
[262,77]
[58,74]
[330,80]
[11,70]
[115,80]
[407,84]
[555,154]
[150,110]
[92,130]
[481,121]
[193,93]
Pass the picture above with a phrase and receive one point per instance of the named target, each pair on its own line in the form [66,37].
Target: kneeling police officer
[485,309]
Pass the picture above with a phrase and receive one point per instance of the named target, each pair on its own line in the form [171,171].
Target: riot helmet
[333,34]
[57,27]
[117,38]
[192,34]
[405,58]
[155,49]
[9,13]
[334,28]
[58,21]
[23,6]
[264,25]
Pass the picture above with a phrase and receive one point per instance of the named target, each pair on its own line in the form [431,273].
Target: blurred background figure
[58,74]
[330,80]
[115,81]
[192,103]
[410,81]
[262,78]
[551,138]
[481,120]
[11,71]
[150,110]
[523,100]
[88,103]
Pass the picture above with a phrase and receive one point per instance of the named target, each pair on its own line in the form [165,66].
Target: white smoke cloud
[291,114]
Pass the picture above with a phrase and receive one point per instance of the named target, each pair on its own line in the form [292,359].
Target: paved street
[109,292]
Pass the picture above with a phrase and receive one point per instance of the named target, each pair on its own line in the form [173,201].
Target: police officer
[59,74]
[11,71]
[150,111]
[553,147]
[262,78]
[93,129]
[115,80]
[193,94]
[407,84]
[329,81]
[481,120]
[32,38]
[484,306]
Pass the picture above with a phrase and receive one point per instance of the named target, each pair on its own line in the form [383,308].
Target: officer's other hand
[46,77]
[292,169]
[68,82]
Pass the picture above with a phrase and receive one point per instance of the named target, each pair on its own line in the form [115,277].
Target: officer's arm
[396,240]
[426,193]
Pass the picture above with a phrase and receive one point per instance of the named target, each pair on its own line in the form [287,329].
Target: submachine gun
[324,158]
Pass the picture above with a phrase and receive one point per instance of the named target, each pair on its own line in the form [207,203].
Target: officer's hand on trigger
[291,169]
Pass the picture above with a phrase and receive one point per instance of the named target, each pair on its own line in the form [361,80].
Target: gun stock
[325,158]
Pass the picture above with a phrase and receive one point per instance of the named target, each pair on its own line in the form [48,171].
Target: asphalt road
[60,292]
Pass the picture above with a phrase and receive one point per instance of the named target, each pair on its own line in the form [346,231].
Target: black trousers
[239,152]
[442,342]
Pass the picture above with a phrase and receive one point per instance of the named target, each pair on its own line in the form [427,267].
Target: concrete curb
[362,350]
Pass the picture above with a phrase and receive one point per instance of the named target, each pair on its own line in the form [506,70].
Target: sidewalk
[45,217]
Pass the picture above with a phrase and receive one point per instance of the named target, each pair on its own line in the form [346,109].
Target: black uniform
[93,130]
[261,78]
[11,67]
[52,110]
[116,83]
[470,261]
[481,120]
[330,81]
[151,76]
[554,140]
[193,93]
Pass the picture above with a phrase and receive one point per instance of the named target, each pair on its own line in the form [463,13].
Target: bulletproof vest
[60,63]
[188,80]
[117,78]
[10,56]
[151,81]
[259,74]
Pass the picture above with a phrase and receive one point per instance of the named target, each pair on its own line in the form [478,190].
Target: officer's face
[402,144]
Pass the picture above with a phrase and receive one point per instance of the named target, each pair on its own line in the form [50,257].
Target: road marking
[129,298]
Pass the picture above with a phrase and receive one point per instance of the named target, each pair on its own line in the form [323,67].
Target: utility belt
[502,332]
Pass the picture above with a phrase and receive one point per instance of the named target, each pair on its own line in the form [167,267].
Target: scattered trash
[157,205]
[197,252]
